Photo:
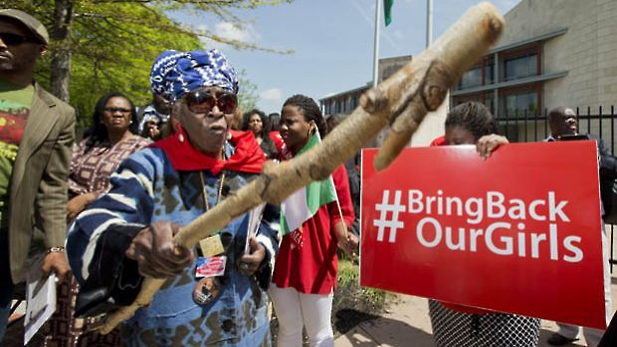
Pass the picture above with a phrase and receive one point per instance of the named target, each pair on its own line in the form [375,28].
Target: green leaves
[247,95]
[112,43]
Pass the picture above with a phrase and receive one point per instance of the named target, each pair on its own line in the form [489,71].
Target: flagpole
[376,43]
[338,203]
[429,22]
[340,210]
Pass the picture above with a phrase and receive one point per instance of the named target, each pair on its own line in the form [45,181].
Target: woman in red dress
[305,271]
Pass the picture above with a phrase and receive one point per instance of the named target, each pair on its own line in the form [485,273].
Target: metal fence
[600,121]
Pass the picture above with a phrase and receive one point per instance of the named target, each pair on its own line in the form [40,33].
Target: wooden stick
[438,68]
[404,98]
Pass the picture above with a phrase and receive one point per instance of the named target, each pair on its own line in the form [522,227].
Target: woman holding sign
[456,325]
[306,266]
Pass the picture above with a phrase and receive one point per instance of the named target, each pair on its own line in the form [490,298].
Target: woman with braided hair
[471,123]
[305,271]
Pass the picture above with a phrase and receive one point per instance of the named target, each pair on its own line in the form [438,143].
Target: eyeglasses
[202,101]
[117,109]
[11,39]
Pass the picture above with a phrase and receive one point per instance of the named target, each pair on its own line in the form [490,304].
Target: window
[485,98]
[479,75]
[471,78]
[521,66]
[518,104]
[489,73]
[489,101]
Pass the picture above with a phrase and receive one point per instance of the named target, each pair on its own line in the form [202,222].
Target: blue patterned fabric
[150,113]
[176,73]
[147,189]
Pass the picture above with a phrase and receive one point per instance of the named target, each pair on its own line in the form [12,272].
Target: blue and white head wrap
[176,73]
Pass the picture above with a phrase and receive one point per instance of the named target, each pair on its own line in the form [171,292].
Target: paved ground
[407,324]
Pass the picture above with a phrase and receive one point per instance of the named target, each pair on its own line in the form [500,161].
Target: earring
[312,131]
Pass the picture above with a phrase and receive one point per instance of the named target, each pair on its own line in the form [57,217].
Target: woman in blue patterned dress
[217,296]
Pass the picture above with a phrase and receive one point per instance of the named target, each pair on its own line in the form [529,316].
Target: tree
[101,45]
[247,95]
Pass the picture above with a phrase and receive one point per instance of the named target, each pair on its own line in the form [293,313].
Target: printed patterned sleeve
[268,236]
[341,183]
[77,158]
[101,234]
[77,154]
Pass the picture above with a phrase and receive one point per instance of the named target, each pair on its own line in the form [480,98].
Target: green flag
[304,203]
[387,10]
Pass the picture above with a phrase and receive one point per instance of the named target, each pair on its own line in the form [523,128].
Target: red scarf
[248,156]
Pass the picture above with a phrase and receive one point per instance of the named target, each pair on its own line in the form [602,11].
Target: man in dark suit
[36,134]
[563,124]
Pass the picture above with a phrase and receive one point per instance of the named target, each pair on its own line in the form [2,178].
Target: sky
[332,42]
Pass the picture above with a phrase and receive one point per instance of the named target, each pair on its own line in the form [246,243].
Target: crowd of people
[116,198]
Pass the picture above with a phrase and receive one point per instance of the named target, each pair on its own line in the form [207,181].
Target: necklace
[205,191]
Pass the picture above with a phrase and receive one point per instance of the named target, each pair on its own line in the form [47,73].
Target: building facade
[552,53]
[345,102]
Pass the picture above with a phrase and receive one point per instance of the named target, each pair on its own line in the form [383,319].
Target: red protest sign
[517,233]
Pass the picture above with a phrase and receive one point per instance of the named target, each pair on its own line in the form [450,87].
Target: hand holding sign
[489,143]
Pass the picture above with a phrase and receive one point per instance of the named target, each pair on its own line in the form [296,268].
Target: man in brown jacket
[36,134]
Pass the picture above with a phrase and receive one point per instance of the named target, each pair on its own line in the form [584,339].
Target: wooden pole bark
[61,54]
[403,99]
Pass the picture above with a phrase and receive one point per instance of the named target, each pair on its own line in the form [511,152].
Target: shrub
[353,304]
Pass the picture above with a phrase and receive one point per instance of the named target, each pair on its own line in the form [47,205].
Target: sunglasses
[117,109]
[11,39]
[202,101]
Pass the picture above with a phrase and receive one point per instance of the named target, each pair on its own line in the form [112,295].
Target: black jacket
[608,173]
